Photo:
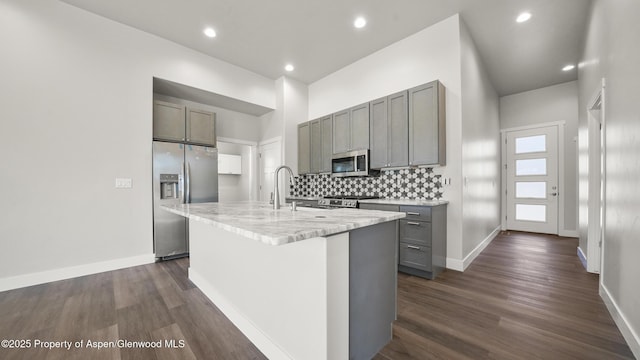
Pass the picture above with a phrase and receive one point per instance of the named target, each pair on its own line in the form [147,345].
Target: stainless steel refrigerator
[182,174]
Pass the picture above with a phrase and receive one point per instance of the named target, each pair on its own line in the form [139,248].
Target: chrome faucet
[276,194]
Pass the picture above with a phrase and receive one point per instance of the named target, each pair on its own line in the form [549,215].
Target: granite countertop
[405,202]
[258,220]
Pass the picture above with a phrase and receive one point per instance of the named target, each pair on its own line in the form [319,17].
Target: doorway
[596,181]
[237,183]
[269,158]
[532,190]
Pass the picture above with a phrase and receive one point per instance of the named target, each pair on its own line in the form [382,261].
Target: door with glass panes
[532,180]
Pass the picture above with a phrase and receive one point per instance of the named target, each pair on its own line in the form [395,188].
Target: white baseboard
[582,257]
[21,281]
[462,265]
[569,233]
[632,338]
[252,332]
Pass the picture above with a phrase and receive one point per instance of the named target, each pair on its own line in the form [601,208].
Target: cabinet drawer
[420,213]
[415,256]
[383,207]
[418,232]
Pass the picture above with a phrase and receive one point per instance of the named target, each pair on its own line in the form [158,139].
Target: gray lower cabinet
[304,148]
[422,238]
[351,129]
[427,137]
[173,122]
[389,131]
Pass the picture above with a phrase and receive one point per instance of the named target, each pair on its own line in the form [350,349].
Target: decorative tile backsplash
[412,183]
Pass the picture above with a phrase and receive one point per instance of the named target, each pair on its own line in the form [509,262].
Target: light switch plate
[123,183]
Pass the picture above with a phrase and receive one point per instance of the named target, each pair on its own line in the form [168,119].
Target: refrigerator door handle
[183,185]
[188,197]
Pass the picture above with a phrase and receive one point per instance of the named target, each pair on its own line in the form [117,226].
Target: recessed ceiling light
[360,22]
[289,67]
[523,17]
[568,67]
[210,32]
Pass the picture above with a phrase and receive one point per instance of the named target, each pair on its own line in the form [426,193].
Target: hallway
[526,296]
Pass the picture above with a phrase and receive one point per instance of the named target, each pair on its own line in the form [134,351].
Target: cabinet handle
[413,213]
[413,223]
[413,247]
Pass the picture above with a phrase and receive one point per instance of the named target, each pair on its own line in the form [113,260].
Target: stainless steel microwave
[352,163]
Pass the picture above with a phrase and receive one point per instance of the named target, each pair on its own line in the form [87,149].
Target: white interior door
[532,180]
[270,157]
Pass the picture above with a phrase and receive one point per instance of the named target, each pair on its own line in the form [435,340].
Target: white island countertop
[258,221]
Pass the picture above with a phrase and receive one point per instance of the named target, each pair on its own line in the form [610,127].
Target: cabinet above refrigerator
[179,123]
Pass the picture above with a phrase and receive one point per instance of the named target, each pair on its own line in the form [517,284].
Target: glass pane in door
[531,189]
[531,144]
[531,167]
[531,212]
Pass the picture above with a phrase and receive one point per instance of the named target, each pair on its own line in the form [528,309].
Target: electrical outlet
[123,183]
[444,181]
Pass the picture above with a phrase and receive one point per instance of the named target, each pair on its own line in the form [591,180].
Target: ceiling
[318,37]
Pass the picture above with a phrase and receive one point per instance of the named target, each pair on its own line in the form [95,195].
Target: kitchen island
[306,284]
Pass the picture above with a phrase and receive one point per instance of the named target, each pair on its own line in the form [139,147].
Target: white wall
[292,107]
[480,151]
[76,113]
[295,111]
[611,51]
[430,54]
[551,104]
[273,122]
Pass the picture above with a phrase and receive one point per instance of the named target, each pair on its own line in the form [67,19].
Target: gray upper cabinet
[304,148]
[341,132]
[320,144]
[326,146]
[351,129]
[397,120]
[359,127]
[378,136]
[389,131]
[316,146]
[168,121]
[173,122]
[427,119]
[201,127]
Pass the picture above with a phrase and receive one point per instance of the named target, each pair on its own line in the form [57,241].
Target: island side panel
[373,274]
[285,299]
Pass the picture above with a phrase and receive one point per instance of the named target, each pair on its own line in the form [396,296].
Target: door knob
[554,194]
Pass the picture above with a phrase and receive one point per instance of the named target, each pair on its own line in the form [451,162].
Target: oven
[339,201]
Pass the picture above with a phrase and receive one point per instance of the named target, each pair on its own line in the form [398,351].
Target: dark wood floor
[144,303]
[525,297]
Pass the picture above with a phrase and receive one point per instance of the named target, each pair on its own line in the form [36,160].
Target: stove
[343,201]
